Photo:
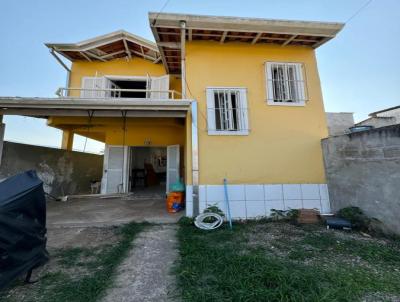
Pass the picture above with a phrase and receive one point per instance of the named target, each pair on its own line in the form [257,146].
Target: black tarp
[22,226]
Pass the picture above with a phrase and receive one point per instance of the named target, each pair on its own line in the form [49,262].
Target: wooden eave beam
[128,52]
[224,34]
[53,53]
[190,31]
[113,54]
[289,40]
[170,44]
[321,42]
[256,38]
[94,56]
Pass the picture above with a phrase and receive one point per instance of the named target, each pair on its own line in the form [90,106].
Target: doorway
[141,169]
[153,169]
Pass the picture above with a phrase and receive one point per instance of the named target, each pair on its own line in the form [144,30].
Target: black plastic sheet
[22,226]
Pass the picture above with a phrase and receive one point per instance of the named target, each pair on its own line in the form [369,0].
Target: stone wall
[339,122]
[363,170]
[63,172]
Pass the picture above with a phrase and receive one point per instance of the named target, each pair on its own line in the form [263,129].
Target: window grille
[285,83]
[227,111]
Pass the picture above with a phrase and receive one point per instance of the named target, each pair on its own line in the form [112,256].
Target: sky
[359,69]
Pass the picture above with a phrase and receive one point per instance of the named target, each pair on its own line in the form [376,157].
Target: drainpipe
[195,160]
[183,58]
[195,139]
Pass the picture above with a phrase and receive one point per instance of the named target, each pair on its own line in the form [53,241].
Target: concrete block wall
[63,172]
[363,170]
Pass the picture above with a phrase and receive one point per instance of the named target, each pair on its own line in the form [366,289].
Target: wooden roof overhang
[115,45]
[167,32]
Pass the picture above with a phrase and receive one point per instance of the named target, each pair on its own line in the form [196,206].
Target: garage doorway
[141,169]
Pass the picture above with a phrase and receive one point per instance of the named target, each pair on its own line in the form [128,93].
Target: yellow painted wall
[284,142]
[139,131]
[121,67]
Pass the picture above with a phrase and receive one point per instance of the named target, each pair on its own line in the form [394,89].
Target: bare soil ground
[76,255]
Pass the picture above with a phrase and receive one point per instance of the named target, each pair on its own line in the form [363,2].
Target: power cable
[161,10]
[359,10]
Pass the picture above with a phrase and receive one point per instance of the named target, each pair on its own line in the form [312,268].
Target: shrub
[358,219]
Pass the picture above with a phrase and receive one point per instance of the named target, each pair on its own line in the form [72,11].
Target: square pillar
[67,140]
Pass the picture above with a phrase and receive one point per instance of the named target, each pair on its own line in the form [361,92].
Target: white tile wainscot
[250,201]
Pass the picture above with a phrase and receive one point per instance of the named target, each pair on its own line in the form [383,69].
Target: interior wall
[151,155]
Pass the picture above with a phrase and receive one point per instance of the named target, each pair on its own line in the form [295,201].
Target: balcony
[118,93]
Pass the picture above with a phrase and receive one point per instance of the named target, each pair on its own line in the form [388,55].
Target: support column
[2,130]
[67,140]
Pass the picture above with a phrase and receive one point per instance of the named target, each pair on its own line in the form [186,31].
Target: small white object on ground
[199,221]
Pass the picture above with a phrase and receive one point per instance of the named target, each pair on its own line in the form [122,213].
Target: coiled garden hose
[199,221]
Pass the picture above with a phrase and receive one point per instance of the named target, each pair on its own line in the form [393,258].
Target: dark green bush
[358,219]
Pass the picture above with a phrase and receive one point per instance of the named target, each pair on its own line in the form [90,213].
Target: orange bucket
[175,202]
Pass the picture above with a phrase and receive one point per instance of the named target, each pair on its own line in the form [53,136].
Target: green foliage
[358,219]
[224,266]
[290,215]
[214,209]
[185,221]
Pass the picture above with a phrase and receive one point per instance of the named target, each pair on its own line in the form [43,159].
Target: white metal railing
[96,93]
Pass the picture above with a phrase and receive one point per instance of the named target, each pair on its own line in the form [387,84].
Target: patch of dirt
[285,240]
[80,237]
[72,251]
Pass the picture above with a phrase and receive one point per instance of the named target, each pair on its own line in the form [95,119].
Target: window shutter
[210,109]
[244,110]
[94,83]
[300,78]
[87,83]
[270,80]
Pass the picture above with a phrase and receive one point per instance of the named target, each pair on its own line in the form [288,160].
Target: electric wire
[161,10]
[359,10]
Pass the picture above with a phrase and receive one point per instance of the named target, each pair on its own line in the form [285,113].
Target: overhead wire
[160,11]
[359,10]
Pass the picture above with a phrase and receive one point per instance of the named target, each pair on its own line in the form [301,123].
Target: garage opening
[141,170]
[148,170]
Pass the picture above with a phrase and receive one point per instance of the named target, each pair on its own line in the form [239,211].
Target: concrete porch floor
[96,211]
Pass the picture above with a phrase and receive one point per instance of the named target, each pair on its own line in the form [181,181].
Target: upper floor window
[126,87]
[227,111]
[285,84]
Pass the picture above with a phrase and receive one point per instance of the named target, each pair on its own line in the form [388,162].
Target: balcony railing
[115,93]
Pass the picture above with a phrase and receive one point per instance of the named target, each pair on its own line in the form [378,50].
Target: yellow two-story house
[213,98]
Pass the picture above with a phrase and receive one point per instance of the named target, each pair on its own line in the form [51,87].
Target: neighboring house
[339,122]
[382,118]
[225,97]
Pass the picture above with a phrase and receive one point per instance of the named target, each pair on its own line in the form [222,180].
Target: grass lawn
[77,274]
[278,261]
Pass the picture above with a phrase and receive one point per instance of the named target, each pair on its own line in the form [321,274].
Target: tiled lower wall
[255,201]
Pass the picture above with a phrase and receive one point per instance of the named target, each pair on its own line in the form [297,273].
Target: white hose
[199,221]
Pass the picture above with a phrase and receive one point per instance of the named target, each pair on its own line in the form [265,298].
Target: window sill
[299,104]
[232,133]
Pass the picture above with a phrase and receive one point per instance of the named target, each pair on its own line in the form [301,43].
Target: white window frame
[301,84]
[244,118]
